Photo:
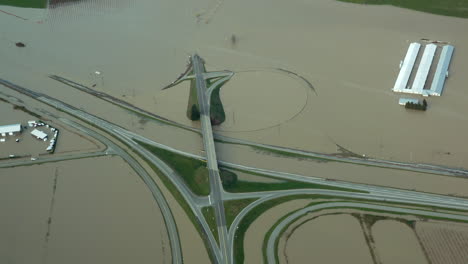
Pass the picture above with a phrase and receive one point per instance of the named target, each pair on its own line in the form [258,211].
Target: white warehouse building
[441,72]
[39,134]
[10,130]
[422,71]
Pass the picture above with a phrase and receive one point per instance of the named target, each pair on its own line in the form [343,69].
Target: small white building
[39,134]
[10,130]
[403,101]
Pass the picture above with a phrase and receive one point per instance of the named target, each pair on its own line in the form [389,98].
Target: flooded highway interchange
[256,151]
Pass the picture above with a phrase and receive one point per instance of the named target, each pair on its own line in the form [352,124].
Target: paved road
[417,167]
[193,201]
[156,192]
[212,162]
[375,193]
[271,250]
[446,201]
[52,158]
[373,196]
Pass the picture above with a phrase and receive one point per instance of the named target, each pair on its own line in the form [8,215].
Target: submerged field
[79,212]
[456,8]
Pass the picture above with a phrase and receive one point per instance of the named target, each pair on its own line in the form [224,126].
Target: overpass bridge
[216,188]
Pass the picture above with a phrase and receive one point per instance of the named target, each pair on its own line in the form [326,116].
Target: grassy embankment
[193,110]
[233,208]
[252,186]
[217,114]
[455,8]
[192,171]
[195,175]
[25,3]
[209,214]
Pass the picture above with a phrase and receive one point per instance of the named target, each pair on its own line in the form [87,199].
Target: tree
[195,114]
[418,106]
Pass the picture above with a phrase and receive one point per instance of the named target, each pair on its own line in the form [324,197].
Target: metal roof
[403,101]
[407,67]
[38,134]
[424,67]
[441,72]
[10,128]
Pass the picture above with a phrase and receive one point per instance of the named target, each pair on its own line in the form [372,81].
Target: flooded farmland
[312,75]
[322,238]
[79,211]
[256,232]
[444,242]
[345,172]
[350,53]
[397,243]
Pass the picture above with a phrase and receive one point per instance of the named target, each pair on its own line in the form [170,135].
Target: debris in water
[233,39]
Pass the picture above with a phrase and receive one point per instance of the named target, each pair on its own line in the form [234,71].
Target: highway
[446,201]
[155,191]
[223,253]
[52,158]
[216,188]
[415,167]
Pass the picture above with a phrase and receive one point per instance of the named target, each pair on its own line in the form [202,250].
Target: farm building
[403,101]
[442,71]
[10,130]
[416,70]
[407,67]
[424,67]
[39,134]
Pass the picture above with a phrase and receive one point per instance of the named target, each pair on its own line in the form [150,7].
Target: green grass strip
[456,8]
[250,217]
[247,186]
[233,208]
[25,3]
[192,171]
[209,214]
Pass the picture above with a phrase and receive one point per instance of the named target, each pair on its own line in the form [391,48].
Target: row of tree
[417,106]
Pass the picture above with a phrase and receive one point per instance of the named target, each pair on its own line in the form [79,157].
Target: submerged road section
[216,187]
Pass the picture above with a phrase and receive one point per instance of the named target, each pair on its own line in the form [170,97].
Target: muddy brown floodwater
[82,211]
[350,53]
[327,239]
[396,243]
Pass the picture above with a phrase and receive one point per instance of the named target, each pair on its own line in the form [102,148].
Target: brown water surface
[350,53]
[327,239]
[397,243]
[83,211]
